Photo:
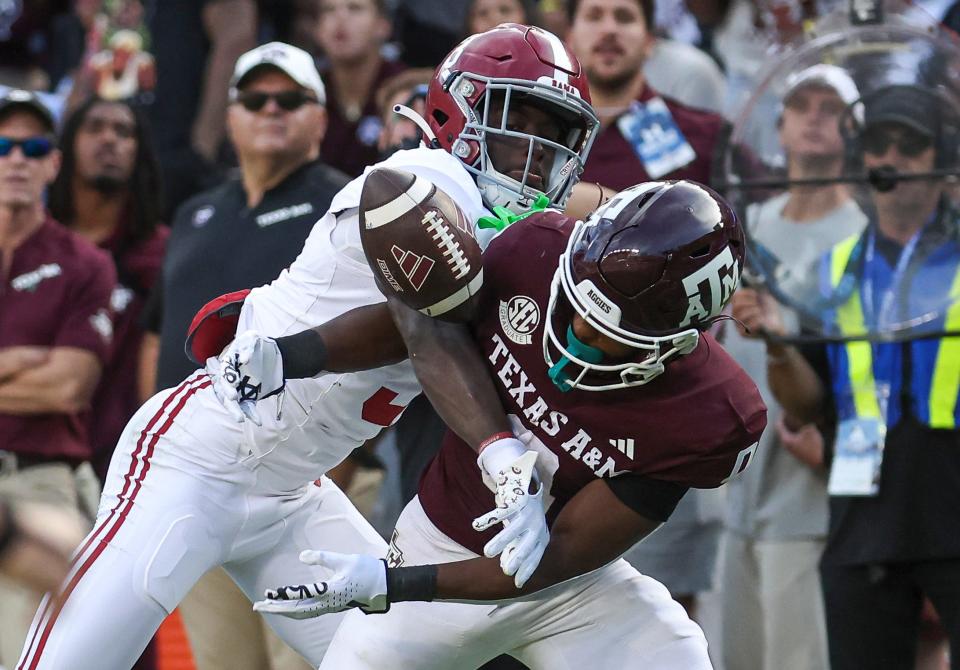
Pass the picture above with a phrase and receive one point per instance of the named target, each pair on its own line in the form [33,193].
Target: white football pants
[613,618]
[181,498]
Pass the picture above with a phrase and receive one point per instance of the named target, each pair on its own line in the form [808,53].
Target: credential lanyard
[889,295]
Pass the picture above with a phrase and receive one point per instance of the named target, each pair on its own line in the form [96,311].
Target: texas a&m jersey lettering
[574,440]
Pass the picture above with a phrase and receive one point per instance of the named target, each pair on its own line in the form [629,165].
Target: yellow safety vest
[945,384]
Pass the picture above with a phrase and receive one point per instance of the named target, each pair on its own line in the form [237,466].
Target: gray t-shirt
[778,497]
[702,84]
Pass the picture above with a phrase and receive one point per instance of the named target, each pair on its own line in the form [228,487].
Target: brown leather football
[419,244]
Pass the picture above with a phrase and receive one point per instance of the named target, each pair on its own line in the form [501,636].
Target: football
[419,244]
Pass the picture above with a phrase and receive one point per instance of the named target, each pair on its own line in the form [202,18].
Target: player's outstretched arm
[253,366]
[592,530]
[453,375]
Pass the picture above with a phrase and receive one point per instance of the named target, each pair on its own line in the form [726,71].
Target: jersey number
[378,410]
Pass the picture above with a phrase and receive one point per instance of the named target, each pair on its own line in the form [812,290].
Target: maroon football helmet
[513,64]
[651,268]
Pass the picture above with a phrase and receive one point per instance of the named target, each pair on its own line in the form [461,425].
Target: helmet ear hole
[700,252]
[642,200]
[440,117]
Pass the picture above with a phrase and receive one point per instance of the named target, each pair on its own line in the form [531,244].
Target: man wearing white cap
[776,519]
[276,121]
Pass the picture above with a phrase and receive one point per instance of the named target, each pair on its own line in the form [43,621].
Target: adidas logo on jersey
[624,446]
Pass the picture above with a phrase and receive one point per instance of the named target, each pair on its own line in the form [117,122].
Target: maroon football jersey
[696,425]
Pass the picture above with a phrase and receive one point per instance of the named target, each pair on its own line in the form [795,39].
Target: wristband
[303,354]
[493,438]
[415,582]
[498,455]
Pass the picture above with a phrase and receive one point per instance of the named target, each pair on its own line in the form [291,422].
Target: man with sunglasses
[891,406]
[55,338]
[236,236]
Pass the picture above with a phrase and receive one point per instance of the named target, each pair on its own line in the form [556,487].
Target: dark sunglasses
[908,142]
[32,147]
[254,101]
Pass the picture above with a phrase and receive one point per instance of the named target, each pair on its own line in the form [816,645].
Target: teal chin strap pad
[582,351]
[503,217]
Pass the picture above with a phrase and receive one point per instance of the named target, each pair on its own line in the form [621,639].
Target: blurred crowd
[152,158]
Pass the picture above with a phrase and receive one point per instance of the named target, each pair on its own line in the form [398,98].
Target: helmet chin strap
[578,349]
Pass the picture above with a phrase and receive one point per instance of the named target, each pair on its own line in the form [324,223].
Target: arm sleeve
[87,321]
[652,498]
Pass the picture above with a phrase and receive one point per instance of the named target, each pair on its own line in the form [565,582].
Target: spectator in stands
[428,29]
[55,338]
[482,15]
[890,405]
[25,47]
[237,236]
[194,44]
[108,191]
[644,135]
[776,520]
[702,85]
[408,88]
[351,34]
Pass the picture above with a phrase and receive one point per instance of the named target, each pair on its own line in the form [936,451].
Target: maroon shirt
[614,163]
[350,146]
[56,294]
[117,398]
[688,426]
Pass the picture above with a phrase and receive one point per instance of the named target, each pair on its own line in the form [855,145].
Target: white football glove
[248,370]
[357,581]
[525,536]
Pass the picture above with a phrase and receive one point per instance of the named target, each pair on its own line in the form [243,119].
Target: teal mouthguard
[578,349]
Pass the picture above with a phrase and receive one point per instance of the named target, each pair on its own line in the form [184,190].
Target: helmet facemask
[574,367]
[487,126]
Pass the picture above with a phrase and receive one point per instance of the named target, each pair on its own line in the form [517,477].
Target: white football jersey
[316,422]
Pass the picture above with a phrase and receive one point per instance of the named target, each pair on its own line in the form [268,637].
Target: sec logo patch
[519,317]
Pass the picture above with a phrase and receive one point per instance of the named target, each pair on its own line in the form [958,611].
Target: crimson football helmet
[513,64]
[651,268]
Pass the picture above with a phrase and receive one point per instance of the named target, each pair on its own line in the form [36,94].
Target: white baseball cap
[29,100]
[827,76]
[293,62]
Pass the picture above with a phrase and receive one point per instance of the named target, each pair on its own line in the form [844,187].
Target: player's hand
[248,370]
[357,581]
[525,536]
